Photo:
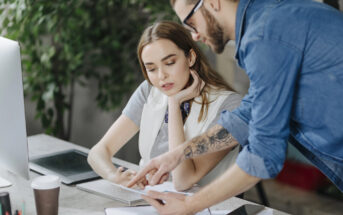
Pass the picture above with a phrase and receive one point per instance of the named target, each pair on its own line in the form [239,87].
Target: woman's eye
[170,63]
[151,70]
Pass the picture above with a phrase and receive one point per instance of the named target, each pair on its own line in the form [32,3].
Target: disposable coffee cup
[46,190]
[5,203]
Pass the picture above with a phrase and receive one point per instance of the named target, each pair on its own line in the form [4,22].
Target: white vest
[152,118]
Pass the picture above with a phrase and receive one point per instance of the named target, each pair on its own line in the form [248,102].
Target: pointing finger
[164,178]
[140,176]
[157,177]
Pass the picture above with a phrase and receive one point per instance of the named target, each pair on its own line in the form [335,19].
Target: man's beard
[215,32]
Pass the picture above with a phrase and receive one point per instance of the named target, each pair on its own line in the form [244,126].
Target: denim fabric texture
[292,51]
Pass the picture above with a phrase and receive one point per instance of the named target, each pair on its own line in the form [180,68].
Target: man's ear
[215,4]
[192,56]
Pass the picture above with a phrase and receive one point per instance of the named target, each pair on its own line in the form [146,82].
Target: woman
[181,98]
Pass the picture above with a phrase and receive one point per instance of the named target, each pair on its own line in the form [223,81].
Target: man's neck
[227,18]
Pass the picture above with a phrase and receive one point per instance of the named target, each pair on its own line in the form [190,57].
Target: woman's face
[166,65]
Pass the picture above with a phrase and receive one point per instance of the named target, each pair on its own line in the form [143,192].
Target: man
[292,51]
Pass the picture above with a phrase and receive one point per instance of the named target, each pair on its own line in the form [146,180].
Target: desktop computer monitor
[13,139]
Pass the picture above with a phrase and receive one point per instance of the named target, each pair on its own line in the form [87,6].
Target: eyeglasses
[195,8]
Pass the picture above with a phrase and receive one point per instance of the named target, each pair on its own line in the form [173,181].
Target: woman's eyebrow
[163,59]
[168,56]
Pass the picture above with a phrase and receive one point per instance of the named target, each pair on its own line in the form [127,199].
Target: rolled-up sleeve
[261,123]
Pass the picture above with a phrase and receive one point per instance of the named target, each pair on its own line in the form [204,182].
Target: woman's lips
[168,86]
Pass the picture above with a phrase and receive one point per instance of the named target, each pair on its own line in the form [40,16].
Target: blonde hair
[182,39]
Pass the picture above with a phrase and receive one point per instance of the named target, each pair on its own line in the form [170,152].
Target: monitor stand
[4,183]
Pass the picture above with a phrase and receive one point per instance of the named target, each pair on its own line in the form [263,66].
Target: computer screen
[13,139]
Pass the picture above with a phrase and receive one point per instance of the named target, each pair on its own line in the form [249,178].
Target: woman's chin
[170,92]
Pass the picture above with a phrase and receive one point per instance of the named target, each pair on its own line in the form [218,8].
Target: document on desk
[165,187]
[149,210]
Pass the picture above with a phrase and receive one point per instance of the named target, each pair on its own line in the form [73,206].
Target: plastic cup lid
[46,182]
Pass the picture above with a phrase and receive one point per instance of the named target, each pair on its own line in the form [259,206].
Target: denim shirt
[292,51]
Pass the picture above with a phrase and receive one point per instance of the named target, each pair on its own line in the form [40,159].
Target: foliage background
[64,43]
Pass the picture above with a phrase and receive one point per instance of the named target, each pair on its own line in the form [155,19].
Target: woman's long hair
[182,39]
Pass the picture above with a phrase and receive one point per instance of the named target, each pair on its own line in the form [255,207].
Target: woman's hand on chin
[190,92]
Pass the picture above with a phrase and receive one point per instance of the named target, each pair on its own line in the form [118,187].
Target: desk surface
[72,200]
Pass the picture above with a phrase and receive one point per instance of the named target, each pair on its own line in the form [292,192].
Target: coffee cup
[46,191]
[5,203]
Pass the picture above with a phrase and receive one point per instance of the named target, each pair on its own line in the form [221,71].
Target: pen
[0,209]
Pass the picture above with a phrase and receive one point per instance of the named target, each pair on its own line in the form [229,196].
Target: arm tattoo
[188,152]
[215,139]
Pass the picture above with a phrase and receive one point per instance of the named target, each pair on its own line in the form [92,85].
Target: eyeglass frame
[196,7]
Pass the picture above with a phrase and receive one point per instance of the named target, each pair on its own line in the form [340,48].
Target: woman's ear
[192,58]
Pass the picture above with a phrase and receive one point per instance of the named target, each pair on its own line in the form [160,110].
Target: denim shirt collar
[241,10]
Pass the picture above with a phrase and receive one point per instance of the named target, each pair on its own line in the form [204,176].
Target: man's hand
[169,203]
[123,177]
[159,167]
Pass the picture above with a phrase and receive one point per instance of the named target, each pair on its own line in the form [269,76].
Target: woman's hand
[151,174]
[122,177]
[190,92]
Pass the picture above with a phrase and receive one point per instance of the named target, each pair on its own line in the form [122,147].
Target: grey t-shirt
[134,109]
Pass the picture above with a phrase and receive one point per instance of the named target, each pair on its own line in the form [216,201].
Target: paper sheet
[165,187]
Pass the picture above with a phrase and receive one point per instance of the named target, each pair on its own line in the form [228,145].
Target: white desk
[72,200]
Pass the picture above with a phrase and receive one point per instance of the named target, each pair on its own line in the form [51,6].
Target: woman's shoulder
[217,92]
[142,92]
[140,95]
[231,101]
[145,87]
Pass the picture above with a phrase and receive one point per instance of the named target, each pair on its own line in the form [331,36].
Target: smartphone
[247,209]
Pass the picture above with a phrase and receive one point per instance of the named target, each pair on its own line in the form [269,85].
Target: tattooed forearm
[215,139]
[188,152]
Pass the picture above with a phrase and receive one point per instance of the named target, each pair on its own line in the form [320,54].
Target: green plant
[74,41]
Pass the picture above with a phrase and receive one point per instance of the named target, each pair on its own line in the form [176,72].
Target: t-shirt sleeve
[229,104]
[134,106]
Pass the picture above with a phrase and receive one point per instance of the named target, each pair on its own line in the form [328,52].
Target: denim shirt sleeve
[272,67]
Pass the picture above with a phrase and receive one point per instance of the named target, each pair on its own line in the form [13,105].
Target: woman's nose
[162,74]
